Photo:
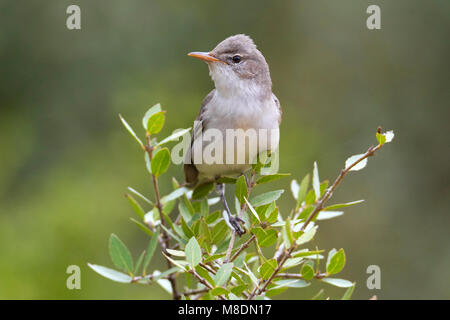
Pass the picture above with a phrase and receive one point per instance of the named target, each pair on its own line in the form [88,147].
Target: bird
[242,101]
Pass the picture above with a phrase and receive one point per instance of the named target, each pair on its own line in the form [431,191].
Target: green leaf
[185,211]
[176,253]
[219,291]
[166,273]
[295,188]
[202,190]
[204,208]
[291,283]
[179,263]
[292,262]
[226,180]
[175,194]
[153,110]
[241,191]
[135,205]
[385,137]
[267,269]
[140,195]
[214,257]
[323,187]
[307,236]
[274,291]
[139,262]
[316,181]
[150,251]
[193,252]
[186,229]
[325,215]
[174,136]
[342,205]
[204,274]
[336,262]
[271,177]
[223,274]
[310,197]
[350,162]
[273,216]
[147,162]
[160,162]
[156,122]
[306,253]
[288,232]
[120,255]
[251,275]
[130,130]
[143,227]
[308,270]
[266,198]
[348,293]
[341,283]
[212,217]
[252,210]
[381,138]
[237,290]
[265,237]
[110,273]
[219,231]
[303,189]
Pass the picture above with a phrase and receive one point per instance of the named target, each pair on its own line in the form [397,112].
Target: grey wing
[277,103]
[190,171]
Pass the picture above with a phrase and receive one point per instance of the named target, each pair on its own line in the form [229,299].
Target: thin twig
[208,268]
[299,276]
[242,248]
[204,282]
[165,240]
[195,291]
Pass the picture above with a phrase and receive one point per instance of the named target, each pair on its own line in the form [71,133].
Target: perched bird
[242,99]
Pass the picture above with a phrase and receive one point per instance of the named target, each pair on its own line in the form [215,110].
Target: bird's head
[237,67]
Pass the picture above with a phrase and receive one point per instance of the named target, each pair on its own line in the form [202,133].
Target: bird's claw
[236,224]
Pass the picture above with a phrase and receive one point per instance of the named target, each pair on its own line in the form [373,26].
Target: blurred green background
[66,160]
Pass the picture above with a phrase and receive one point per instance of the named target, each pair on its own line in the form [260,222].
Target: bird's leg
[234,221]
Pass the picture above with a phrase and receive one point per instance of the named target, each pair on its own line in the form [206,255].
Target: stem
[242,248]
[204,282]
[165,241]
[299,276]
[370,152]
[194,292]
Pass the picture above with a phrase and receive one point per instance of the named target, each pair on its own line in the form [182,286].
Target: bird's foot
[236,222]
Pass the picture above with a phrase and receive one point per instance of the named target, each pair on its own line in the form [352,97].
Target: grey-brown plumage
[242,98]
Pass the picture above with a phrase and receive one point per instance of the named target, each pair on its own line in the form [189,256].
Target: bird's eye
[236,58]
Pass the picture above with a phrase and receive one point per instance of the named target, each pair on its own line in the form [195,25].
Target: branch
[194,292]
[165,241]
[328,194]
[299,276]
[370,152]
[242,248]
[204,282]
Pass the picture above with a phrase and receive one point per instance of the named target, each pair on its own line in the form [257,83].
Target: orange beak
[205,56]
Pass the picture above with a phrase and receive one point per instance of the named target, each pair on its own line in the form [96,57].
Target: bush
[203,246]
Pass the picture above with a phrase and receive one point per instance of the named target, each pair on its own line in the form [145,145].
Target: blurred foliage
[66,158]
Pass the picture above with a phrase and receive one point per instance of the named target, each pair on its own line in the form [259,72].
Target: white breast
[242,111]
